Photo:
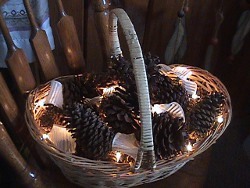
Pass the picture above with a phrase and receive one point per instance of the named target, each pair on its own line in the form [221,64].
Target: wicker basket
[92,173]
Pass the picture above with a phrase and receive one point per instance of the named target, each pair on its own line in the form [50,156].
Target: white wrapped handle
[145,156]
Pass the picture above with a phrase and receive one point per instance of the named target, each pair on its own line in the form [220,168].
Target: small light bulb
[220,119]
[32,175]
[189,147]
[45,136]
[41,102]
[69,50]
[109,90]
[118,156]
[194,96]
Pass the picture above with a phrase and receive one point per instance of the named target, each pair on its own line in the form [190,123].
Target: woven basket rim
[69,155]
[123,170]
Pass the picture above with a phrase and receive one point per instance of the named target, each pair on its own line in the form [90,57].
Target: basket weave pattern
[91,173]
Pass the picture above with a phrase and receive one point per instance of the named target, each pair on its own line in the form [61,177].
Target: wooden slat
[101,18]
[74,8]
[8,107]
[58,51]
[95,60]
[11,155]
[17,61]
[43,52]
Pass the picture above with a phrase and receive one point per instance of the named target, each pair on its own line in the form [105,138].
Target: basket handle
[145,155]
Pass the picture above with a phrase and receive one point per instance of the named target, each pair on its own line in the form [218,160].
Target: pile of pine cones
[94,125]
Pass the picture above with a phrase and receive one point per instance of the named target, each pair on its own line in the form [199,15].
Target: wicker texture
[92,173]
[146,145]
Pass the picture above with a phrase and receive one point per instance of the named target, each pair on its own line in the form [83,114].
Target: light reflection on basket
[103,169]
[96,173]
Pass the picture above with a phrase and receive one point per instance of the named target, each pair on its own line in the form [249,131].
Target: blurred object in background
[18,23]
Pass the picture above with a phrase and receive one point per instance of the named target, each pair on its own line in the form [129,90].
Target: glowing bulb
[194,96]
[189,147]
[69,50]
[220,119]
[118,156]
[45,136]
[108,90]
[32,175]
[40,102]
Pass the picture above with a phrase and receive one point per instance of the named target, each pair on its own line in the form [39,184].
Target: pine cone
[163,89]
[203,115]
[74,90]
[118,114]
[122,73]
[50,116]
[93,137]
[151,63]
[168,135]
[130,99]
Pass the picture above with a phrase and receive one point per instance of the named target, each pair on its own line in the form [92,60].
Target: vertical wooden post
[9,152]
[101,8]
[41,46]
[7,103]
[13,118]
[69,41]
[17,62]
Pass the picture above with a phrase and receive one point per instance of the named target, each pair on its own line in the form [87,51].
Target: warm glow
[45,136]
[194,96]
[108,90]
[40,102]
[118,156]
[172,108]
[220,119]
[32,175]
[38,106]
[69,50]
[189,147]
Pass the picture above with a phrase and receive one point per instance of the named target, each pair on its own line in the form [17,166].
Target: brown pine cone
[50,116]
[118,114]
[93,137]
[204,113]
[168,135]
